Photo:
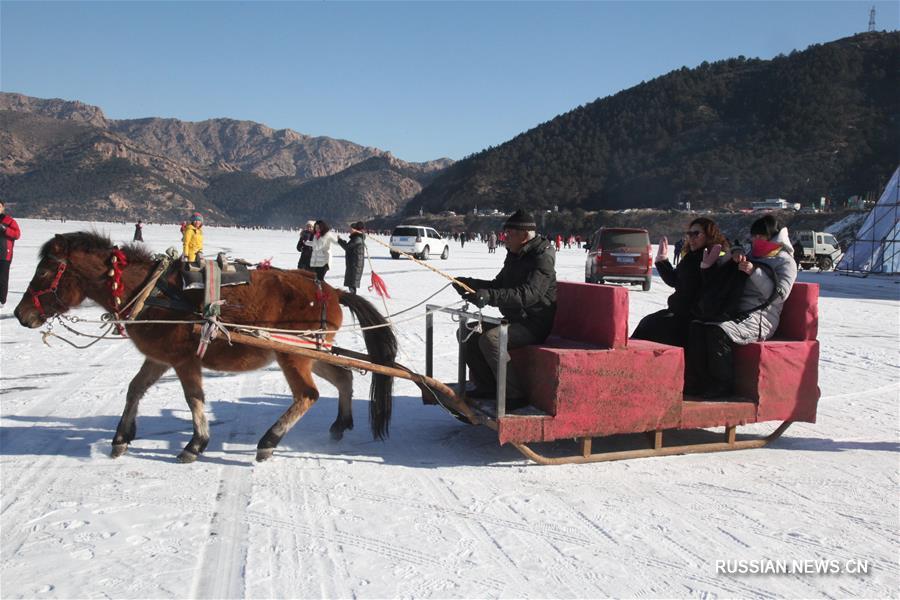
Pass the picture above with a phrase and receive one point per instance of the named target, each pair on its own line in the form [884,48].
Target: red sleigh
[588,380]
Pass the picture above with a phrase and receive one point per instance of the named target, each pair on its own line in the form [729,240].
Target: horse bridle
[36,295]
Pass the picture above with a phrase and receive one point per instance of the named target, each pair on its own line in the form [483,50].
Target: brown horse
[76,266]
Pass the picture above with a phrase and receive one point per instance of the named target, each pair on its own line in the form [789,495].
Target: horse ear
[58,246]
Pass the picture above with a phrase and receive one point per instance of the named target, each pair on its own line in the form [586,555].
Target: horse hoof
[186,457]
[118,450]
[263,454]
[336,433]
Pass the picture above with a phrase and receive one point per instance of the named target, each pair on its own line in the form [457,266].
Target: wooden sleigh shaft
[442,393]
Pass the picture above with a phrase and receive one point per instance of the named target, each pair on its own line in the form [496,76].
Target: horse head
[70,268]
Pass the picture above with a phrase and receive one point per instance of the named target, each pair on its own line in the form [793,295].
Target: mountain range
[824,121]
[66,158]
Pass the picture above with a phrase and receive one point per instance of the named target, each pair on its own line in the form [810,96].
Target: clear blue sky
[423,80]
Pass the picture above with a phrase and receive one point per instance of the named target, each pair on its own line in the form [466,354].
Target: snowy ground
[438,510]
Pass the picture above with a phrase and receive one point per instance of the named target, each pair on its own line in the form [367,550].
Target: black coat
[304,250]
[355,257]
[685,278]
[525,288]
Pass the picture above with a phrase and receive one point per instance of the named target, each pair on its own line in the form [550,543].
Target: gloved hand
[710,256]
[460,289]
[662,253]
[480,298]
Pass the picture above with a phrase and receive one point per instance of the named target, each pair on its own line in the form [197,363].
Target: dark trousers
[320,272]
[4,280]
[709,367]
[483,352]
[664,327]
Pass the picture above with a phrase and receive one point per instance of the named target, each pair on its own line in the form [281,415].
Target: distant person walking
[323,240]
[354,256]
[799,252]
[138,232]
[492,242]
[305,250]
[9,233]
[193,238]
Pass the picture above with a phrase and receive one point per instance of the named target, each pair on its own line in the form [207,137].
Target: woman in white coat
[763,284]
[322,242]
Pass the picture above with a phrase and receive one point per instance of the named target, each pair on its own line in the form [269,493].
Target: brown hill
[62,156]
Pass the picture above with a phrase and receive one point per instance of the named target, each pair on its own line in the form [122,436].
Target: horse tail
[382,348]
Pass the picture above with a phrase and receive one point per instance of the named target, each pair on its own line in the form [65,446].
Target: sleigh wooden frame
[588,380]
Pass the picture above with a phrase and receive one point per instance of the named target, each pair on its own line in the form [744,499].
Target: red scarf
[765,248]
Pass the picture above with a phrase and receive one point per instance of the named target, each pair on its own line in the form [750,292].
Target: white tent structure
[876,248]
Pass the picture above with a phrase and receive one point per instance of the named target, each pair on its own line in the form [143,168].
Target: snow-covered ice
[439,510]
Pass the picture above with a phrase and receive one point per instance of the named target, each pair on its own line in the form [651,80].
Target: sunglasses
[692,234]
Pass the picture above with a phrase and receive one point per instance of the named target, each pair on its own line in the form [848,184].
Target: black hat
[520,219]
[358,226]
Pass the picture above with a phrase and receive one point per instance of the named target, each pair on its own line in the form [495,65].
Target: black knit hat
[520,219]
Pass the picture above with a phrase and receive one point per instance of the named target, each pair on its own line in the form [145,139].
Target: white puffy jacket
[321,253]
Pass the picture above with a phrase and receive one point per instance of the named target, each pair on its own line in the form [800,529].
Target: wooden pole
[353,363]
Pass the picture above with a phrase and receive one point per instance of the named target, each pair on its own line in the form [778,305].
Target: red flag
[378,286]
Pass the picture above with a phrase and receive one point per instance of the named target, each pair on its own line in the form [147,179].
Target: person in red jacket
[9,233]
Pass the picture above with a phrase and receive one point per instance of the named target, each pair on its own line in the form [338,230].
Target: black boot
[720,363]
[695,360]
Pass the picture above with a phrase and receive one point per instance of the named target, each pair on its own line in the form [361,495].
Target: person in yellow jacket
[193,238]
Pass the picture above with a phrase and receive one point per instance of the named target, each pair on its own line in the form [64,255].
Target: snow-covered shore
[439,510]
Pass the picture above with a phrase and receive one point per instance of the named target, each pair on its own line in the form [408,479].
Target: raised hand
[745,266]
[662,252]
[710,256]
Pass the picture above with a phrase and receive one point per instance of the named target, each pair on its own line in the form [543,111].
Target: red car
[619,254]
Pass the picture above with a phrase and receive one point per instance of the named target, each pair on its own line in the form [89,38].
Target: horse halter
[35,295]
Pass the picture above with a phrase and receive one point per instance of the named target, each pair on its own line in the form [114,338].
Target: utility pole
[872,19]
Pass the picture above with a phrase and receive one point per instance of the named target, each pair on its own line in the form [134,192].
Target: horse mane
[93,241]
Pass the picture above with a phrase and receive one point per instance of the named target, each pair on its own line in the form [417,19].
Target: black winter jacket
[304,250]
[685,278]
[525,288]
[355,257]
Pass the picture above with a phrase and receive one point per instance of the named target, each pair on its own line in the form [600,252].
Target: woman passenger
[766,279]
[670,325]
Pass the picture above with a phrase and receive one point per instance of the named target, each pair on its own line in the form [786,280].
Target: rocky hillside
[63,157]
[820,122]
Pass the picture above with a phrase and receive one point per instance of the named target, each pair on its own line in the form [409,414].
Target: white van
[421,242]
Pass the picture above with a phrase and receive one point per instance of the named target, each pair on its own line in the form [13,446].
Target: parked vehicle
[820,250]
[621,255]
[421,242]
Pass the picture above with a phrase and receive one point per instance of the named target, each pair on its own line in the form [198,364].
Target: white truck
[816,249]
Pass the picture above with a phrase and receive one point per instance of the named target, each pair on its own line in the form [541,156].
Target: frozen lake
[439,510]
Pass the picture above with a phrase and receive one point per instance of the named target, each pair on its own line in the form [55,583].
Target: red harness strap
[35,296]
